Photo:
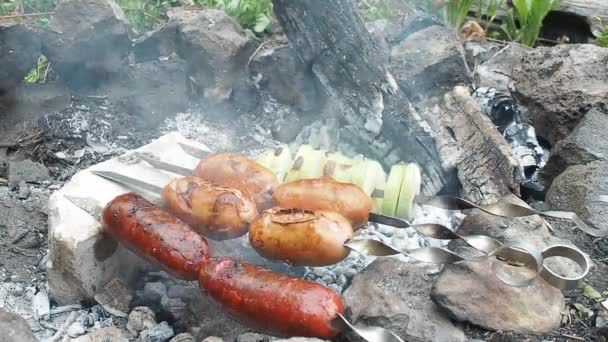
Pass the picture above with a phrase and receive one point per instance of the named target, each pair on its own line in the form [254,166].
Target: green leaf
[592,293]
[583,310]
[262,23]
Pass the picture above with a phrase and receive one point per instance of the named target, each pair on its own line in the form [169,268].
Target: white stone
[74,272]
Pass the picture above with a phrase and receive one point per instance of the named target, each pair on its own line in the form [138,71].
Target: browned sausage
[269,302]
[155,235]
[326,194]
[301,237]
[217,212]
[236,171]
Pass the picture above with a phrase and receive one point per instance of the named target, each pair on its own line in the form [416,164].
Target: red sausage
[156,235]
[270,302]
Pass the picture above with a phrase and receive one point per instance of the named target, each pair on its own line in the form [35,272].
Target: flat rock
[429,61]
[26,171]
[585,144]
[88,42]
[14,328]
[576,187]
[534,309]
[20,48]
[395,295]
[81,259]
[470,291]
[559,85]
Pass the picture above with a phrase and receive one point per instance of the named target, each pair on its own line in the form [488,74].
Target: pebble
[159,333]
[140,319]
[24,191]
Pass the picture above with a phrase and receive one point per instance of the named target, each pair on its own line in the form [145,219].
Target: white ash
[338,277]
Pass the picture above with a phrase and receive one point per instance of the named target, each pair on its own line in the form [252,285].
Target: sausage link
[236,171]
[217,212]
[301,237]
[326,194]
[269,302]
[155,235]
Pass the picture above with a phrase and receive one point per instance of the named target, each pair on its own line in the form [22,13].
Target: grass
[146,15]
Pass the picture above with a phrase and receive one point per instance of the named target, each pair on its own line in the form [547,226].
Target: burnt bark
[331,39]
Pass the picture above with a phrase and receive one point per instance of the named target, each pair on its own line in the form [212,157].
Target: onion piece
[338,167]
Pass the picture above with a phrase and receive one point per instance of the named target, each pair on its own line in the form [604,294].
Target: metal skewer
[502,209]
[515,253]
[368,333]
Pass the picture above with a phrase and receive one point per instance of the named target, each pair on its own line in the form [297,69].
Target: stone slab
[81,260]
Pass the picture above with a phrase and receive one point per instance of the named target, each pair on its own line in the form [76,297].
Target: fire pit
[516,131]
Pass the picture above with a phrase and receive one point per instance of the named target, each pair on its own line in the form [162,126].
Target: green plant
[251,14]
[37,10]
[489,12]
[145,15]
[524,21]
[455,12]
[602,36]
[39,72]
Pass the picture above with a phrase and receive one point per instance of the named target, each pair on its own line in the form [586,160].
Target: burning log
[331,39]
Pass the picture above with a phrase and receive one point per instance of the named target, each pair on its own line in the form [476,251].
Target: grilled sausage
[217,212]
[301,237]
[269,302]
[155,235]
[326,194]
[236,171]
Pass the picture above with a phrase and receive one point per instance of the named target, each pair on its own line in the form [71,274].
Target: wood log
[330,37]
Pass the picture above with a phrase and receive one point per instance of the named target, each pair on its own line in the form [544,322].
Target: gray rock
[155,44]
[93,44]
[26,171]
[559,85]
[184,337]
[496,71]
[152,90]
[470,291]
[429,61]
[216,50]
[279,71]
[140,319]
[20,49]
[395,295]
[585,144]
[159,333]
[576,187]
[14,328]
[35,100]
